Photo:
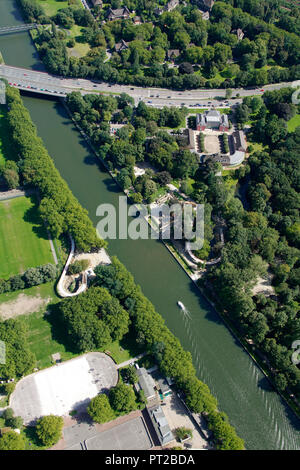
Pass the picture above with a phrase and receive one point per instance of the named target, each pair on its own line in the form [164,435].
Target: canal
[260,416]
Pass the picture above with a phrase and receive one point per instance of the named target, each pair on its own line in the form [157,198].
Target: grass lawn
[23,239]
[52,6]
[43,290]
[125,349]
[293,123]
[44,338]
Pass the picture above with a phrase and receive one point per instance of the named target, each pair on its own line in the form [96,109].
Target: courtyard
[63,388]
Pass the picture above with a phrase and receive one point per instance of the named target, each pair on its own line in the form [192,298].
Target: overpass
[52,85]
[18,28]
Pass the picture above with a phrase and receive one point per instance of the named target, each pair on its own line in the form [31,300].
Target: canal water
[259,414]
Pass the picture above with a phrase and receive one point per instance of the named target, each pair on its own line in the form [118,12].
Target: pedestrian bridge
[18,28]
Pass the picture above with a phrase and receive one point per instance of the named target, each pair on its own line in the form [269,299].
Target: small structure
[5,430]
[146,383]
[172,54]
[191,139]
[208,4]
[240,34]
[118,14]
[56,358]
[171,5]
[161,425]
[137,20]
[121,46]
[238,141]
[97,3]
[205,15]
[158,11]
[163,386]
[212,120]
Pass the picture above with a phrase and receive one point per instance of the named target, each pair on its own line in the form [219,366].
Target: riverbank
[194,278]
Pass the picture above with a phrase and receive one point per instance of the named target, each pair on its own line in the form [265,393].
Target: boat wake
[184,310]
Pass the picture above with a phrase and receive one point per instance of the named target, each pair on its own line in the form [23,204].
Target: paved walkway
[130,361]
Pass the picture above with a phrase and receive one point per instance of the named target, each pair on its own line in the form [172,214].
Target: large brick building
[212,120]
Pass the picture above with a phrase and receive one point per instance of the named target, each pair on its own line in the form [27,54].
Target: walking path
[13,193]
[60,285]
[130,361]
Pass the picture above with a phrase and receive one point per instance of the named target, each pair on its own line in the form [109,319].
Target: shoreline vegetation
[149,325]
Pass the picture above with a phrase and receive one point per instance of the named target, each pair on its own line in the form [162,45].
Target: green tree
[100,410]
[12,441]
[49,429]
[122,398]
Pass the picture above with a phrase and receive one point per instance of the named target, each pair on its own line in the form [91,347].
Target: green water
[257,412]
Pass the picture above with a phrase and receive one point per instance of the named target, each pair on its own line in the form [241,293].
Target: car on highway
[149,101]
[262,90]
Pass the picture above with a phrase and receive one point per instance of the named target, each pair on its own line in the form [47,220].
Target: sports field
[23,238]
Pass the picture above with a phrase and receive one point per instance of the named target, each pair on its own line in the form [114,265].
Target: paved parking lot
[177,417]
[64,387]
[132,435]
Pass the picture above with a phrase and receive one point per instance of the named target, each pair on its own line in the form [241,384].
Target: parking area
[177,417]
[132,435]
[64,387]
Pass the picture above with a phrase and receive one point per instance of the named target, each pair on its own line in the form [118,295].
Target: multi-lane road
[44,83]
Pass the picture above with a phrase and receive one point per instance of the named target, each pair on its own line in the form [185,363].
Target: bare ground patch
[264,286]
[22,305]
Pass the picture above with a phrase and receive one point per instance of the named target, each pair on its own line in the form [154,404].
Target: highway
[44,83]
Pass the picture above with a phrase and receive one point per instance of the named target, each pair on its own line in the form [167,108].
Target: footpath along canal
[260,416]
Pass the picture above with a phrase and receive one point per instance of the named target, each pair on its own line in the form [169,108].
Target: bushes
[100,410]
[78,266]
[225,143]
[49,429]
[12,441]
[94,319]
[59,208]
[31,277]
[19,359]
[201,142]
[121,400]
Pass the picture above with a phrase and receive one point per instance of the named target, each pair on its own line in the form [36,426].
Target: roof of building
[119,12]
[97,3]
[212,117]
[239,141]
[236,158]
[163,385]
[161,425]
[146,382]
[173,53]
[172,4]
[121,45]
[191,139]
